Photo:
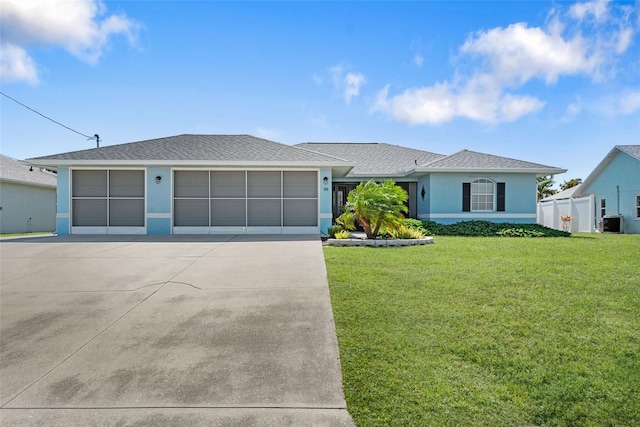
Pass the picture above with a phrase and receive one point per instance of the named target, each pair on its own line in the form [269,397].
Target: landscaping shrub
[344,234]
[415,224]
[404,232]
[332,230]
[488,228]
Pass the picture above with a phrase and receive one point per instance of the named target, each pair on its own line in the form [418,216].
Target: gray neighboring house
[27,197]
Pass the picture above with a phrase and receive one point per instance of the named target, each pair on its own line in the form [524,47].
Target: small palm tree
[374,205]
[571,183]
[544,186]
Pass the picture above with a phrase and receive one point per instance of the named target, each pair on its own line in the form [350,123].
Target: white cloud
[349,84]
[418,60]
[625,38]
[476,100]
[512,107]
[599,9]
[352,83]
[504,59]
[16,64]
[573,110]
[629,102]
[80,27]
[337,72]
[517,54]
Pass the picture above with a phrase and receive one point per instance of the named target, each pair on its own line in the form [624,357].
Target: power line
[96,136]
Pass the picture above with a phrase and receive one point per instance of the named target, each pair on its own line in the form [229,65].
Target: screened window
[245,198]
[637,206]
[482,195]
[107,198]
[603,207]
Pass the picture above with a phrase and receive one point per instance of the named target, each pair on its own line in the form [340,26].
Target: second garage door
[236,201]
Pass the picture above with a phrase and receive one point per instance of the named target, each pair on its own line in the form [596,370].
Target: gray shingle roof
[18,171]
[473,160]
[374,159]
[221,148]
[632,150]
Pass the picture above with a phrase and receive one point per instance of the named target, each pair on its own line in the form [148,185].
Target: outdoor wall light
[158,179]
[422,193]
[325,180]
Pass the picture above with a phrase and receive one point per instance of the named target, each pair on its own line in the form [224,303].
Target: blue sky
[556,83]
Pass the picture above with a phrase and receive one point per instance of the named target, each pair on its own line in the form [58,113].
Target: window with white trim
[603,207]
[482,195]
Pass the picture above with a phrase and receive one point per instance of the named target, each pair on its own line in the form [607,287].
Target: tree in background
[374,205]
[570,184]
[544,186]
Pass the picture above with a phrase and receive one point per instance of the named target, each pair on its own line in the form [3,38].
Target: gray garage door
[107,200]
[245,201]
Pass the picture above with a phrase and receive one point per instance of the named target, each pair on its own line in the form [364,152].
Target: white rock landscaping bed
[379,242]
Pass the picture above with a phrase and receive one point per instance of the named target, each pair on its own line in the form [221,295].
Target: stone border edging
[379,242]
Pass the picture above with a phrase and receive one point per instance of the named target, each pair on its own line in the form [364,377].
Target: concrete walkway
[176,330]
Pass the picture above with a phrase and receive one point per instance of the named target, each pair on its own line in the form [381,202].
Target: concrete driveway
[176,330]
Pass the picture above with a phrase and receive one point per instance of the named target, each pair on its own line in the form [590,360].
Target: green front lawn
[490,331]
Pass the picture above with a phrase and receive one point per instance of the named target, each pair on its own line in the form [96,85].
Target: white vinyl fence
[581,211]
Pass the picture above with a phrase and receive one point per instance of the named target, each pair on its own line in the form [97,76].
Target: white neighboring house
[27,197]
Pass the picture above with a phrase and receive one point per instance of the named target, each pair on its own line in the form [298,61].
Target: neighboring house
[27,197]
[242,184]
[463,186]
[615,185]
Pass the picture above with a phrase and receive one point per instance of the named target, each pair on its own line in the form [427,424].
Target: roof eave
[599,168]
[32,184]
[537,171]
[338,168]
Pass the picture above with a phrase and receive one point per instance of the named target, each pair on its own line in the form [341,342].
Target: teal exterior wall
[622,171]
[424,204]
[159,200]
[325,200]
[444,203]
[63,201]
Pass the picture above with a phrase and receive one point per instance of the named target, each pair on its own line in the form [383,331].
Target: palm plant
[374,205]
[544,186]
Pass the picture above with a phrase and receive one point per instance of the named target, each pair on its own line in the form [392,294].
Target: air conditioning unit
[613,224]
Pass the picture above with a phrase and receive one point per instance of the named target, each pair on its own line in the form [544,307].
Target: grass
[490,331]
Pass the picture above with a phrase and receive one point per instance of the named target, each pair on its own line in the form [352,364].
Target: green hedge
[488,228]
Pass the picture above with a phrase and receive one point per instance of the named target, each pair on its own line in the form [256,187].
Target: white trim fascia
[228,230]
[380,176]
[598,169]
[88,230]
[190,230]
[188,163]
[477,215]
[27,183]
[159,215]
[301,230]
[545,171]
[127,230]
